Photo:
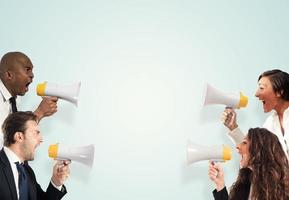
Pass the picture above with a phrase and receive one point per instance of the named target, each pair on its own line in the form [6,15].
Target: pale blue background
[143,65]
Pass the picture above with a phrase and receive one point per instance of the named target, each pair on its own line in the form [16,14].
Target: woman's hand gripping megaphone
[229,118]
[216,174]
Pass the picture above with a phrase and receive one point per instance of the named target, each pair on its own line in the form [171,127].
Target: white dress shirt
[5,107]
[272,124]
[12,157]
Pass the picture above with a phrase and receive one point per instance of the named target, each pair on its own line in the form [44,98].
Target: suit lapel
[8,174]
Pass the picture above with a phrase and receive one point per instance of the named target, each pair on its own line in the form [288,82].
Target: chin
[21,94]
[243,166]
[266,110]
[31,159]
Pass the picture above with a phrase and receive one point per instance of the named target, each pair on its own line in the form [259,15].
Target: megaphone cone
[83,154]
[215,96]
[196,152]
[67,92]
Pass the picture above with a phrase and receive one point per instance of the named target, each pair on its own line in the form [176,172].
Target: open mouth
[243,161]
[263,101]
[27,85]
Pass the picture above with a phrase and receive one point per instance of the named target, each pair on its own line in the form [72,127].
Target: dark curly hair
[267,174]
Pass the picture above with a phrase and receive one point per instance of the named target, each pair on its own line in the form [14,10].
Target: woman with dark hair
[273,92]
[264,173]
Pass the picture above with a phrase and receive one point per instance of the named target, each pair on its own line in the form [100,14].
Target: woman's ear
[280,94]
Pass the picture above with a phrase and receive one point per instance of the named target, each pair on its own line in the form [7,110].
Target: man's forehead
[22,61]
[32,124]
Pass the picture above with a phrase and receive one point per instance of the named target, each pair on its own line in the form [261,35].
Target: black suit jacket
[8,188]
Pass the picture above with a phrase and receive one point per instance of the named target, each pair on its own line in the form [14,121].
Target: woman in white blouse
[273,92]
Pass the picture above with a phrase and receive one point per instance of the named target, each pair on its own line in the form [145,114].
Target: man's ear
[9,75]
[18,136]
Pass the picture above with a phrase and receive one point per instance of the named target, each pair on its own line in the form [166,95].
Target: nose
[257,93]
[40,138]
[31,75]
[238,147]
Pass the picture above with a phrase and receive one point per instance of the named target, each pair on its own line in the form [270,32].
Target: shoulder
[3,157]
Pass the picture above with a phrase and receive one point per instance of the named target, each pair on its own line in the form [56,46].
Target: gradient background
[143,66]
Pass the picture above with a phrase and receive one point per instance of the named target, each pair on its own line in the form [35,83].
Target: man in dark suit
[17,179]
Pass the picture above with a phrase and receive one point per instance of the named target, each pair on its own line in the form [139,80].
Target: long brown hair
[268,170]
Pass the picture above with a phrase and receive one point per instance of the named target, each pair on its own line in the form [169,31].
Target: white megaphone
[215,96]
[84,154]
[196,152]
[67,92]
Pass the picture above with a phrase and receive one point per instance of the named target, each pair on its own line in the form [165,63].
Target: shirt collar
[5,93]
[274,112]
[12,157]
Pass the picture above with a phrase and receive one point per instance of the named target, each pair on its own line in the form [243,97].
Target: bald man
[16,74]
